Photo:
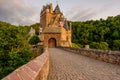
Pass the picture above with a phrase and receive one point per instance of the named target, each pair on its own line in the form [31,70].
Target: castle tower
[55,29]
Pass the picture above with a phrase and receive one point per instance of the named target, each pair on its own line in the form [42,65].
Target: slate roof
[52,30]
[66,25]
[57,9]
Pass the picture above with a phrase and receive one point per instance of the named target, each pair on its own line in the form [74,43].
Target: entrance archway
[52,43]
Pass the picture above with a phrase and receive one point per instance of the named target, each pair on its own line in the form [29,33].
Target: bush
[116,44]
[94,45]
[101,45]
[74,45]
[34,40]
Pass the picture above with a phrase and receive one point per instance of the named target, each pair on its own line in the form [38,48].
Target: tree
[94,45]
[116,44]
[115,34]
[36,27]
[99,32]
[34,40]
[103,45]
[13,49]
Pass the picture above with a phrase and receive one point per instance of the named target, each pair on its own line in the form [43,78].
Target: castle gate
[54,27]
[52,43]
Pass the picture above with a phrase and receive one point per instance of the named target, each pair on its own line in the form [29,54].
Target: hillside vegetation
[14,49]
[99,34]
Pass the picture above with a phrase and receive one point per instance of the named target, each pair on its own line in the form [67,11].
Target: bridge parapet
[36,69]
[103,55]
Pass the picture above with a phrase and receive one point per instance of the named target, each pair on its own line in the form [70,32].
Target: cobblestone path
[69,66]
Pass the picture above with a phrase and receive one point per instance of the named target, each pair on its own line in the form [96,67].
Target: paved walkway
[69,66]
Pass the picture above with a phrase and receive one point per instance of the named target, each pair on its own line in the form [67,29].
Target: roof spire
[57,9]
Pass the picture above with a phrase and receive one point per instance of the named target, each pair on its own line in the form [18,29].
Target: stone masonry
[66,65]
[55,29]
[107,56]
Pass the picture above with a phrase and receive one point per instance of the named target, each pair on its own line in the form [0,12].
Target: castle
[54,28]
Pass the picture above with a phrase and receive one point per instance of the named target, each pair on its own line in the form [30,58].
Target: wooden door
[52,43]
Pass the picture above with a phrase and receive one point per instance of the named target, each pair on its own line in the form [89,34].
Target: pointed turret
[66,25]
[57,9]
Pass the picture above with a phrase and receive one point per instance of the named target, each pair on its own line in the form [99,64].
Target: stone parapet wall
[107,56]
[37,69]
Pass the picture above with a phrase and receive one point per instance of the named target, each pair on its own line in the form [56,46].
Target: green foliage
[36,27]
[101,45]
[115,34]
[34,40]
[77,45]
[18,57]
[94,45]
[14,51]
[96,32]
[116,44]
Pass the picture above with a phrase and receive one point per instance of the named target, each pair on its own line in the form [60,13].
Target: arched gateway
[55,30]
[52,43]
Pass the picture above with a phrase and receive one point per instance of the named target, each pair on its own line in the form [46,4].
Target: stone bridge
[59,64]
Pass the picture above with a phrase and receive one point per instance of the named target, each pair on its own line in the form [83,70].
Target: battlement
[47,8]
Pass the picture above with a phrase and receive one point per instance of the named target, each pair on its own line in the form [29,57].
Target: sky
[27,12]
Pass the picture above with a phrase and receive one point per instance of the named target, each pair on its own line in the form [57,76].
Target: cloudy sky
[26,12]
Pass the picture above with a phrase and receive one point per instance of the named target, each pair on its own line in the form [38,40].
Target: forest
[99,34]
[14,49]
[15,46]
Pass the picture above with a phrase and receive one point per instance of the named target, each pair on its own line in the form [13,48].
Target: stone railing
[36,69]
[107,56]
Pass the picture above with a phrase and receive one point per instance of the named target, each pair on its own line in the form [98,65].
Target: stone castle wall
[48,36]
[106,56]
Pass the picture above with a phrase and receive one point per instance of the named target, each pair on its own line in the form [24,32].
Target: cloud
[17,12]
[26,12]
[83,15]
[83,12]
[108,9]
[80,13]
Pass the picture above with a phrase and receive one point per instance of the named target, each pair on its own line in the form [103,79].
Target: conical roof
[57,9]
[66,25]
